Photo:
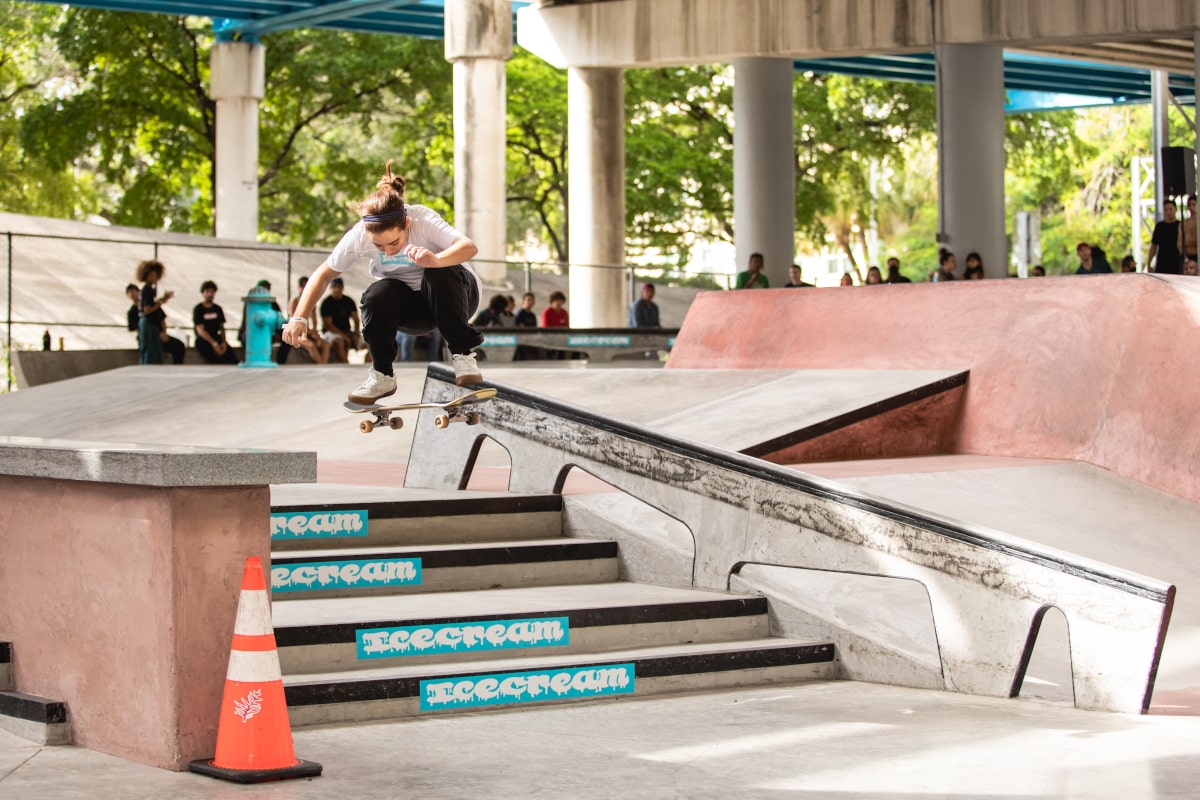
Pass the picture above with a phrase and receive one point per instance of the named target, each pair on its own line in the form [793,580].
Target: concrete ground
[821,740]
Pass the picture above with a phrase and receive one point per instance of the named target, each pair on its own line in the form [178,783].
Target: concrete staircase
[459,603]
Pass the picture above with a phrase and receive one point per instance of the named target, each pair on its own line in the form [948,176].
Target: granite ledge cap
[161,465]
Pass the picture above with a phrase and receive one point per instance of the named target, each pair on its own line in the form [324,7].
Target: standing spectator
[753,277]
[947,263]
[554,315]
[152,320]
[339,317]
[1187,244]
[1164,242]
[209,321]
[795,278]
[873,276]
[644,311]
[974,271]
[525,317]
[1128,264]
[894,276]
[493,315]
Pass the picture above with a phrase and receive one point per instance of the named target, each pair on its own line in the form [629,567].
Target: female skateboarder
[423,281]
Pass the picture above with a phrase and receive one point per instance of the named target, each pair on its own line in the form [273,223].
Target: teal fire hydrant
[262,320]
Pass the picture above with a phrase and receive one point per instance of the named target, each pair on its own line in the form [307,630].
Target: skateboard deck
[450,411]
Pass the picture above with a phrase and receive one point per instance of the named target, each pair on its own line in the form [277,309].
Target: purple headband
[388,217]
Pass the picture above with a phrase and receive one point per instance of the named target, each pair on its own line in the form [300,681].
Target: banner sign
[499,340]
[318,524]
[363,574]
[462,637]
[596,340]
[526,687]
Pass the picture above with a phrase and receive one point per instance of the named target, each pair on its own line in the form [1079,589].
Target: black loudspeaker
[1179,171]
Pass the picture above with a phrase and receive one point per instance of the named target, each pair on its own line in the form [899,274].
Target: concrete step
[328,635]
[403,518]
[359,571]
[413,690]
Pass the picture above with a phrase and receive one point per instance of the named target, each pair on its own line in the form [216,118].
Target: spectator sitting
[1190,267]
[873,276]
[974,271]
[753,277]
[1128,264]
[847,279]
[947,263]
[525,317]
[132,316]
[794,276]
[644,311]
[493,315]
[554,315]
[510,312]
[209,320]
[316,348]
[894,276]
[1091,262]
[1038,272]
[339,318]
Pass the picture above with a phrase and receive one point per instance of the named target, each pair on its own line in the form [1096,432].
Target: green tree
[30,72]
[678,158]
[143,120]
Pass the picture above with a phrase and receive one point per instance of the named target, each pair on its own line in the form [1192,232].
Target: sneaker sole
[468,380]
[366,401]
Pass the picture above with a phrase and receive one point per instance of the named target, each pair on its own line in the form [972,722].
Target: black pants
[175,347]
[448,297]
[207,352]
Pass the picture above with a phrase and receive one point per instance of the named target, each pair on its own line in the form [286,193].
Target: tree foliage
[111,114]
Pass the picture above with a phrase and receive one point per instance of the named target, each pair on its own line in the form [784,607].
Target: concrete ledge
[37,719]
[152,465]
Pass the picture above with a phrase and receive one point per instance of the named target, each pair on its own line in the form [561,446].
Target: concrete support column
[596,197]
[1196,74]
[1160,102]
[764,174]
[237,86]
[970,106]
[478,43]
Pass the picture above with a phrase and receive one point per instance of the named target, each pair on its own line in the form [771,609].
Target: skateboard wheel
[366,426]
[395,423]
[473,417]
[441,421]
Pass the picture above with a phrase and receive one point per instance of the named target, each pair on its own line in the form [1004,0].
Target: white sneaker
[466,371]
[376,385]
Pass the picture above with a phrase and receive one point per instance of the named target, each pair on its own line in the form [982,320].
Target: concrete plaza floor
[837,740]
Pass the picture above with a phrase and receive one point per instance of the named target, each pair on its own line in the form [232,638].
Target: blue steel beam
[317,15]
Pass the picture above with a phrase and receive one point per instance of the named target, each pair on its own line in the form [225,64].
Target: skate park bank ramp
[750,521]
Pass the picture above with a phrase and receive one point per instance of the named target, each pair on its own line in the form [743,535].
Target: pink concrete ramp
[1096,369]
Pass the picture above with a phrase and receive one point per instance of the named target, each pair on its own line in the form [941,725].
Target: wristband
[299,319]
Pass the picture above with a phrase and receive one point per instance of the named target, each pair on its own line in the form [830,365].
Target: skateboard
[451,411]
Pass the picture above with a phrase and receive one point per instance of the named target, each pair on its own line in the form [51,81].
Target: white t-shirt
[425,229]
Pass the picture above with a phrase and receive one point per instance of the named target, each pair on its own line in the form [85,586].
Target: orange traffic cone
[254,737]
